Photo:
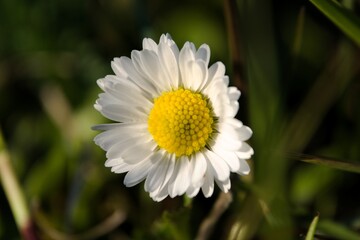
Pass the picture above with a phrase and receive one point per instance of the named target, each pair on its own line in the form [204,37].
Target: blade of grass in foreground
[15,194]
[312,228]
[337,231]
[332,163]
[341,17]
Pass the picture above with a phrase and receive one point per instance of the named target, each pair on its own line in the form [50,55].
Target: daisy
[175,121]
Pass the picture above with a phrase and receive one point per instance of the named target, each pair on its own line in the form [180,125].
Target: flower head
[176,126]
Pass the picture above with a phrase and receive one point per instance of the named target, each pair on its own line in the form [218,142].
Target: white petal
[121,168]
[232,109]
[138,173]
[224,186]
[114,162]
[186,56]
[118,68]
[216,91]
[122,113]
[119,148]
[169,61]
[106,126]
[244,133]
[100,83]
[217,70]
[169,171]
[135,76]
[199,165]
[230,158]
[192,191]
[180,180]
[215,73]
[107,104]
[220,168]
[203,53]
[138,152]
[159,194]
[160,173]
[231,121]
[149,44]
[208,186]
[230,132]
[157,161]
[234,93]
[126,92]
[120,133]
[224,142]
[198,72]
[244,168]
[151,66]
[245,151]
[168,40]
[165,38]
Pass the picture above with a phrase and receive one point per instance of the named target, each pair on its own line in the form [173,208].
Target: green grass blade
[14,193]
[341,17]
[337,231]
[326,89]
[266,117]
[311,232]
[332,163]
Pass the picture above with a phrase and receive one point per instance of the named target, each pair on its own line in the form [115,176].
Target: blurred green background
[300,94]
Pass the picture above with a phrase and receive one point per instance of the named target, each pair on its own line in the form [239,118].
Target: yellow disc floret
[181,121]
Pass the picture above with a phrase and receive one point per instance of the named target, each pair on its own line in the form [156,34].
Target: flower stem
[15,194]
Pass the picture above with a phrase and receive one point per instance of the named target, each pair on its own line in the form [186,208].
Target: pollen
[181,121]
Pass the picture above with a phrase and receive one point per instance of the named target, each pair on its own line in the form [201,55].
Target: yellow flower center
[181,121]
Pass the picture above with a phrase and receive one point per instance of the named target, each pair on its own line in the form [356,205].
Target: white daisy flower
[176,126]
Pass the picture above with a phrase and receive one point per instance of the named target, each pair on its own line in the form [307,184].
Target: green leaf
[341,17]
[312,228]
